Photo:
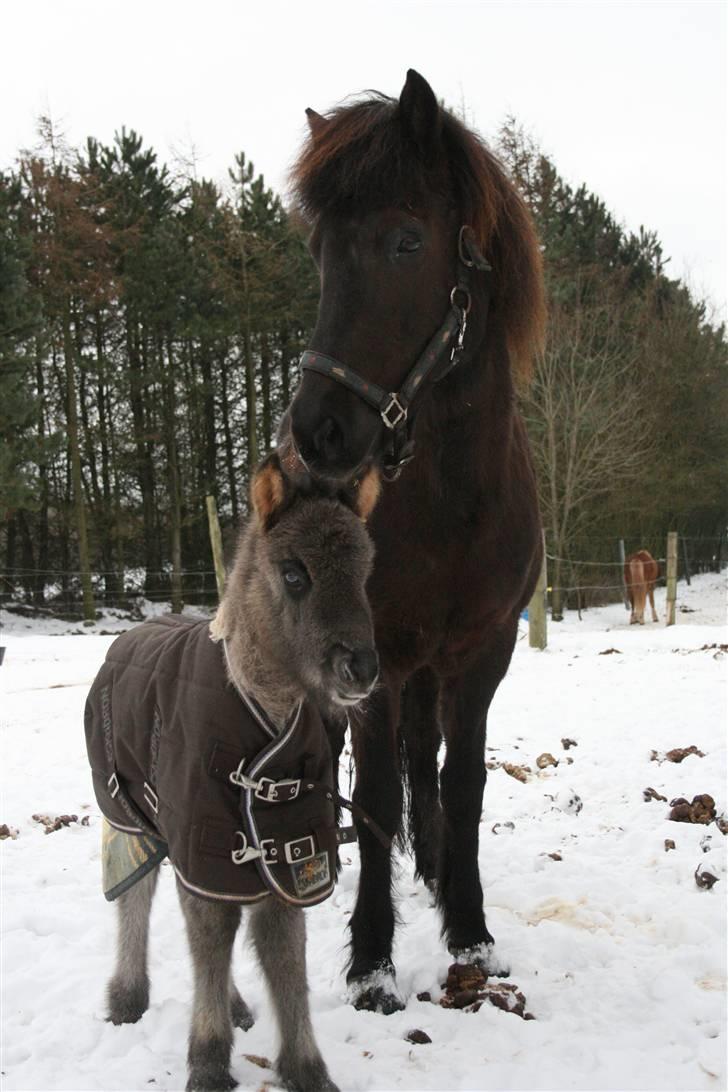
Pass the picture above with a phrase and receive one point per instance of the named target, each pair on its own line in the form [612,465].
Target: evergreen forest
[150,327]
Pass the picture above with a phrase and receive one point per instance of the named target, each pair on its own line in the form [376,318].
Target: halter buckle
[394,413]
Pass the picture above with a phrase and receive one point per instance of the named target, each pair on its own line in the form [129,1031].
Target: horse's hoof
[485,957]
[376,992]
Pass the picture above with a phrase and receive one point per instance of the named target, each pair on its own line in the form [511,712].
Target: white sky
[629,96]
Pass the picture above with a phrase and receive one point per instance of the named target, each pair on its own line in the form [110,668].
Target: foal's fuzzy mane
[360,157]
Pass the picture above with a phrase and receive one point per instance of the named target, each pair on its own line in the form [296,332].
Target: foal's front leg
[211,929]
[278,932]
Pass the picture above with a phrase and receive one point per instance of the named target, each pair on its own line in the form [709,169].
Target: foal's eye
[296,580]
[409,243]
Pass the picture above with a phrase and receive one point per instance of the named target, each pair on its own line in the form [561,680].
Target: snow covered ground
[621,956]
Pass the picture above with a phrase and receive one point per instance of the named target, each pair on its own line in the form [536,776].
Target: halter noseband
[393,407]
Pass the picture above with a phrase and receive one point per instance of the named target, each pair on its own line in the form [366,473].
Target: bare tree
[585,412]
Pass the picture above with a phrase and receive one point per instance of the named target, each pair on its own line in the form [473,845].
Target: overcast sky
[628,97]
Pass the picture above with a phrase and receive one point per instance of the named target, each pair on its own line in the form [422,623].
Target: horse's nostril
[328,440]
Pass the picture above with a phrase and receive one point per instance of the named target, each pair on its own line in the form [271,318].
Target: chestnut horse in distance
[431,310]
[641,573]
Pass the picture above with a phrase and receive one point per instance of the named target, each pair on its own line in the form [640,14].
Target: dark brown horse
[417,231]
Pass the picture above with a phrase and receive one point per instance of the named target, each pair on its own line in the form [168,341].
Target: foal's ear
[316,123]
[268,490]
[420,114]
[367,493]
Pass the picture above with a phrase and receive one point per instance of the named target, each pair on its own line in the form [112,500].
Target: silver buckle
[269,851]
[151,797]
[395,407]
[113,785]
[245,853]
[295,850]
[269,790]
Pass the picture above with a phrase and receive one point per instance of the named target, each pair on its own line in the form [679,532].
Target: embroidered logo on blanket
[310,875]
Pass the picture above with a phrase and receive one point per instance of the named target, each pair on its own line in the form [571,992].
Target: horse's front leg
[421,738]
[378,791]
[464,710]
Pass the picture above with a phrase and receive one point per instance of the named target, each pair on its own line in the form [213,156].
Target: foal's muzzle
[355,672]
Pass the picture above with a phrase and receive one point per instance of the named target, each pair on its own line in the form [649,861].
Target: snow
[620,955]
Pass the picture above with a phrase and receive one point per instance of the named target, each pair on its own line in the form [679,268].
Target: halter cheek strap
[393,407]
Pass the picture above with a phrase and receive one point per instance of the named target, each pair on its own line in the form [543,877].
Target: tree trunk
[228,439]
[144,457]
[265,362]
[175,503]
[43,535]
[79,508]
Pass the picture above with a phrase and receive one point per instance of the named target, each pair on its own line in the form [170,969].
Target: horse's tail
[636,572]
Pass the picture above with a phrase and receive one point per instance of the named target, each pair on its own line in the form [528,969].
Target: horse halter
[393,407]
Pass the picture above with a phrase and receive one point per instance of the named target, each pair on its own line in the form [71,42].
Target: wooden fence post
[216,543]
[671,578]
[537,634]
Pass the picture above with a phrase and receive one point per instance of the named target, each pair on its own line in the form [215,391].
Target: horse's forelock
[360,158]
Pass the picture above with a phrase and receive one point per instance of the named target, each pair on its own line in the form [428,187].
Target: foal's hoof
[241,1015]
[210,1082]
[376,992]
[127,1004]
[209,1066]
[307,1076]
[485,957]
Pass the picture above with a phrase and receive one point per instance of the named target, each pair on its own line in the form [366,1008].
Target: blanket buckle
[300,849]
[277,792]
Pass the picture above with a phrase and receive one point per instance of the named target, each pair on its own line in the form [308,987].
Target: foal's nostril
[357,669]
[364,667]
[328,440]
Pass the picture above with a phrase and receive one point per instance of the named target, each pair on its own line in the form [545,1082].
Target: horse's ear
[420,114]
[367,493]
[268,490]
[316,123]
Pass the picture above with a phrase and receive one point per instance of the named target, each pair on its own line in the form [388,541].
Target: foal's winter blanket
[190,768]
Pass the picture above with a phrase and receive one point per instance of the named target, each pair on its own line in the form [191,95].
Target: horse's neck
[468,427]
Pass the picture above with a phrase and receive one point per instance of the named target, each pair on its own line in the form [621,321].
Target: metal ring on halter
[464,291]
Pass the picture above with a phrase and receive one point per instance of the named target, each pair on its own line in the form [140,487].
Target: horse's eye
[296,580]
[409,243]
